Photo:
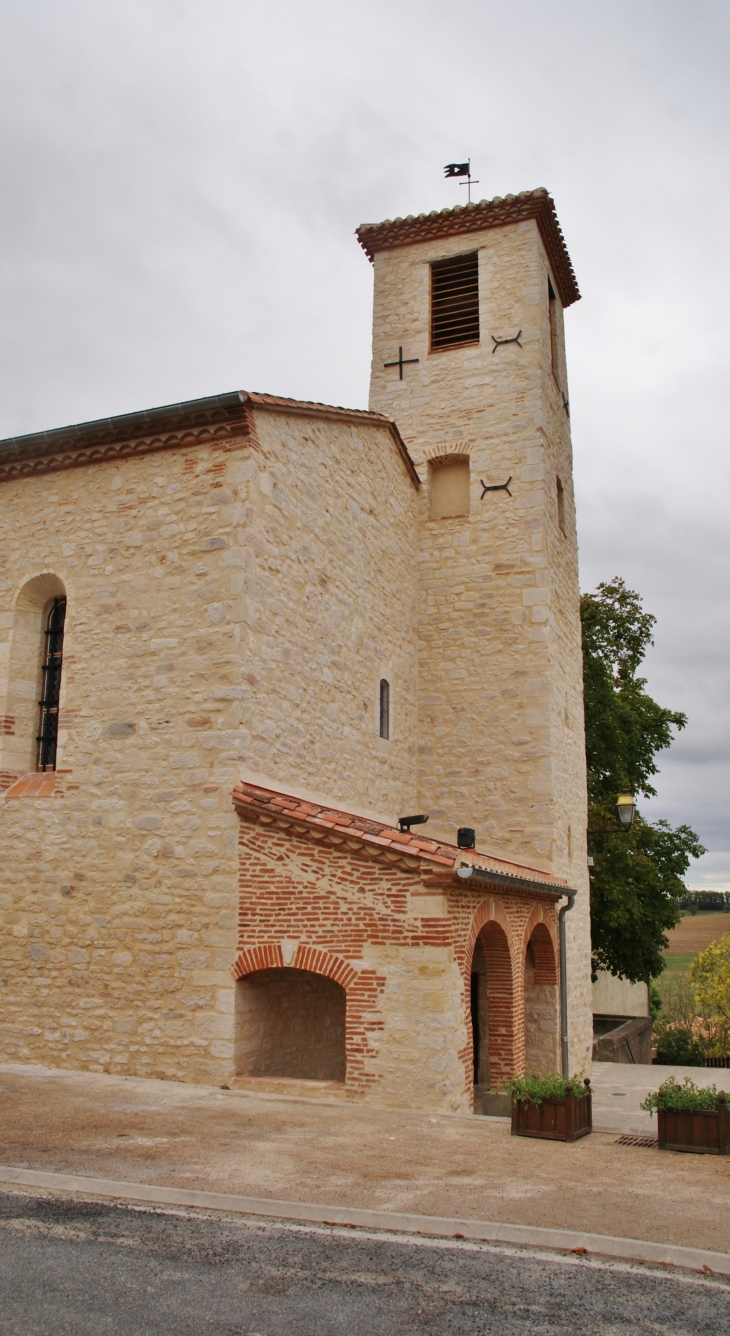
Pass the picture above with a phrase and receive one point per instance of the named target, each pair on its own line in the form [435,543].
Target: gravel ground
[87,1269]
[177,1135]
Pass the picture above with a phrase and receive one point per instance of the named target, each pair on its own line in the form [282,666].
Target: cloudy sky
[180,186]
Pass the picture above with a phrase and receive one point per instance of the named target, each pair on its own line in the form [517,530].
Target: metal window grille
[384,708]
[51,688]
[455,301]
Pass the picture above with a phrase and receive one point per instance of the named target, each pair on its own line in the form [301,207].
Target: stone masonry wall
[500,680]
[225,613]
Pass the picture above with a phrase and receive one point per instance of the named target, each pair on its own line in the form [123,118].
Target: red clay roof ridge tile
[375,832]
[476,217]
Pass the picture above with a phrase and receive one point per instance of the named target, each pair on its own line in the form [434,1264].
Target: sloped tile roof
[465,218]
[254,802]
[194,422]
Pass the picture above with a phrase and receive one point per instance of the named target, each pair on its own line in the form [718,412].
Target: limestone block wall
[500,679]
[225,612]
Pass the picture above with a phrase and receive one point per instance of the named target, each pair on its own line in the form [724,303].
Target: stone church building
[244,641]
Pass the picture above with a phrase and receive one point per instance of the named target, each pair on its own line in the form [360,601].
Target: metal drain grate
[628,1140]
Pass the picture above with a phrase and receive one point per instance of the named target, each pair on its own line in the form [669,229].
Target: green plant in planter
[533,1089]
[672,1095]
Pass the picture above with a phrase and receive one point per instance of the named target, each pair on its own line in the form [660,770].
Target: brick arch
[269,956]
[451,450]
[488,911]
[541,974]
[255,958]
[505,991]
[540,935]
[363,991]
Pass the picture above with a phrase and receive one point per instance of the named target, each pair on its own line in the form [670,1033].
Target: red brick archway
[270,956]
[495,995]
[363,992]
[541,934]
[541,976]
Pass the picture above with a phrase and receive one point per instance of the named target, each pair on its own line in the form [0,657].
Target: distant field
[677,964]
[695,932]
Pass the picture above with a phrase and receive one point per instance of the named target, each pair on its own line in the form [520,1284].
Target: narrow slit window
[561,504]
[384,708]
[455,301]
[51,685]
[554,332]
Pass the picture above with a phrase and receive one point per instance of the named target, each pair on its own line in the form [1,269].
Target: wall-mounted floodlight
[626,808]
[466,838]
[405,822]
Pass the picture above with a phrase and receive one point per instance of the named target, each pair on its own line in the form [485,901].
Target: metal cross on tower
[401,362]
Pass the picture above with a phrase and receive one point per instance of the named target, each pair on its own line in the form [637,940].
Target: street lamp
[626,808]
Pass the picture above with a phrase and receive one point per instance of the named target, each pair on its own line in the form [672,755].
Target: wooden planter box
[554,1119]
[702,1131]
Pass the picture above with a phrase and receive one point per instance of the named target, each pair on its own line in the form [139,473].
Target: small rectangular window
[561,505]
[554,332]
[384,708]
[455,301]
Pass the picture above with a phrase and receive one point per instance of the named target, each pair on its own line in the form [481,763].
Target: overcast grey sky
[181,183]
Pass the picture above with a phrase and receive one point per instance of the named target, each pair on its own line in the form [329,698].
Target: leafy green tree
[636,880]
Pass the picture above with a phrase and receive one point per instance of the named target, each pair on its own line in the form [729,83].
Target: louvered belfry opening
[52,663]
[455,301]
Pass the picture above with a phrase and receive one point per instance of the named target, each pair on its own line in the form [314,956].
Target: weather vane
[461,169]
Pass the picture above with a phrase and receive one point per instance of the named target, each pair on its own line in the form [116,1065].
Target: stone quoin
[240,638]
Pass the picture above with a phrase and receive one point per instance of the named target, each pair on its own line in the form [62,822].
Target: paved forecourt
[170,1135]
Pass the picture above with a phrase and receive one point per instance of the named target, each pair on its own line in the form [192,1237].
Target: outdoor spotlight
[626,808]
[466,838]
[405,822]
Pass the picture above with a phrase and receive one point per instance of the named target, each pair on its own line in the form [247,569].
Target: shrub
[672,1095]
[709,976]
[533,1089]
[677,1044]
[655,1000]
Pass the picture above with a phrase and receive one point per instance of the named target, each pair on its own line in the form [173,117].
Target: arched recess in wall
[541,1002]
[24,685]
[492,1007]
[291,1023]
[449,484]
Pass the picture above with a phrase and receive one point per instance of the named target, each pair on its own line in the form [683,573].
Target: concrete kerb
[483,1231]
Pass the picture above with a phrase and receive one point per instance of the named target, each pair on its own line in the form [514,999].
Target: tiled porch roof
[376,840]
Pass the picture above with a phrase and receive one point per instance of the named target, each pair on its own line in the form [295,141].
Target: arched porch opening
[290,1023]
[541,1002]
[492,1008]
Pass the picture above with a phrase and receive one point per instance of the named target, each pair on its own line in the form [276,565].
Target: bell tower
[469,361]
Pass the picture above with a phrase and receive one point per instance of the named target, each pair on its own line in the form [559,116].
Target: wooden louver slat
[455,301]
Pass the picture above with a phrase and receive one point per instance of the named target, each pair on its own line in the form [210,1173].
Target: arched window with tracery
[47,738]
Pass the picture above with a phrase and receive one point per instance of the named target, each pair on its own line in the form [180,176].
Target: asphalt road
[90,1269]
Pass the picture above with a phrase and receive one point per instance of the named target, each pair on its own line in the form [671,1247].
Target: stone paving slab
[206,1139]
[620,1088]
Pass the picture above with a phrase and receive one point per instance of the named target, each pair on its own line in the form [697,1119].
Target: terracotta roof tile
[477,217]
[446,856]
